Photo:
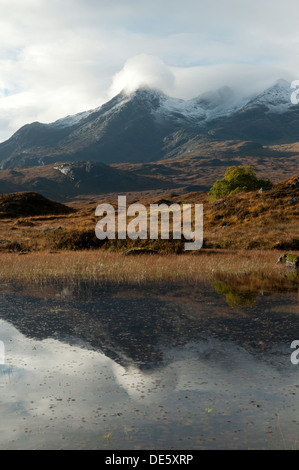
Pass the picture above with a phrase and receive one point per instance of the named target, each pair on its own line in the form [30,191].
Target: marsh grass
[101,265]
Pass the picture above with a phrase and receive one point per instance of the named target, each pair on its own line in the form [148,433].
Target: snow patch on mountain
[206,107]
[69,121]
[276,98]
[179,109]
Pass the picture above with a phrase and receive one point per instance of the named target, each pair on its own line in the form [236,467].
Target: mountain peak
[277,98]
[144,90]
[281,82]
[148,95]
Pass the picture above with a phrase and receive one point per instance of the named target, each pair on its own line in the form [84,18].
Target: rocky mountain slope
[147,126]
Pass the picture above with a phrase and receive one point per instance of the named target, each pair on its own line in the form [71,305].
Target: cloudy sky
[62,57]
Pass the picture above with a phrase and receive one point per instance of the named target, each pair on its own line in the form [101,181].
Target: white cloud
[59,58]
[188,82]
[143,70]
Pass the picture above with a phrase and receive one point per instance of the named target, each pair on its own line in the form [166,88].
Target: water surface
[148,367]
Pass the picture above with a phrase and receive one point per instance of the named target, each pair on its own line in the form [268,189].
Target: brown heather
[269,220]
[243,237]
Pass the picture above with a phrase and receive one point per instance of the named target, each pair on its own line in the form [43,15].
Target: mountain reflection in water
[135,323]
[226,345]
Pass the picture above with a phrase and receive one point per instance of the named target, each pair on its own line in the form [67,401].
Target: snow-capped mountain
[148,125]
[276,98]
[268,118]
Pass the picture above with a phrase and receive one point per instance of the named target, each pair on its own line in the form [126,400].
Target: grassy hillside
[267,220]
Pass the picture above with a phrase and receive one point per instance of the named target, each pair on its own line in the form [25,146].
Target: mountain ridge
[148,125]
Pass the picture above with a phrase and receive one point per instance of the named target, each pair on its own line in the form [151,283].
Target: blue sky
[62,57]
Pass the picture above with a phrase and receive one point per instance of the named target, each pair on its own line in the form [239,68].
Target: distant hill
[30,204]
[62,181]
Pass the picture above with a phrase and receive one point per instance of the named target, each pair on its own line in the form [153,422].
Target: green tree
[237,179]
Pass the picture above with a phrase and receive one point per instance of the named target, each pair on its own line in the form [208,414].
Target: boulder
[289,260]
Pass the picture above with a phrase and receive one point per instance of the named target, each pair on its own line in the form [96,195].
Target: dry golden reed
[101,265]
